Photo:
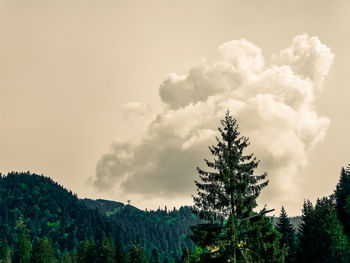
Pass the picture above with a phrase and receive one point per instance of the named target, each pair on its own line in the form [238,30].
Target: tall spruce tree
[305,234]
[285,227]
[227,194]
[341,193]
[287,231]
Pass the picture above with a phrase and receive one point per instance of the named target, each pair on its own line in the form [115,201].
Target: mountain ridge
[45,208]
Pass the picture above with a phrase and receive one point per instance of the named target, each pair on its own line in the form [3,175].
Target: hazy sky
[120,99]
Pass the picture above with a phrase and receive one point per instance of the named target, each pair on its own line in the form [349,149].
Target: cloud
[273,103]
[308,57]
[135,109]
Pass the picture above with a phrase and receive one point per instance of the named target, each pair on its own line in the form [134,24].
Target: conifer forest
[42,221]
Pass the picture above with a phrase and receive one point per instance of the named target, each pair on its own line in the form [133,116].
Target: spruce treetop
[285,227]
[229,187]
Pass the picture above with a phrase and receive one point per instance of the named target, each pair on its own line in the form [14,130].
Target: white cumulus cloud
[274,106]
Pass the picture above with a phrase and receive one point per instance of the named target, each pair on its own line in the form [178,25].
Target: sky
[121,99]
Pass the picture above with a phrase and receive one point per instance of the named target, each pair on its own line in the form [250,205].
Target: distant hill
[45,208]
[105,207]
[168,231]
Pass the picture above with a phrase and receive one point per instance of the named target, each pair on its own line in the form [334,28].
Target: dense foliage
[321,234]
[166,230]
[39,207]
[44,208]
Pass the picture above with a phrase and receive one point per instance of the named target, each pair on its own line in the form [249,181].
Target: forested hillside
[40,221]
[37,204]
[40,205]
[168,231]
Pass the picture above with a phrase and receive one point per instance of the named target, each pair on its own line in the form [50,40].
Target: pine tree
[263,242]
[137,255]
[321,234]
[341,193]
[106,251]
[227,194]
[87,252]
[304,233]
[68,257]
[43,251]
[287,231]
[23,249]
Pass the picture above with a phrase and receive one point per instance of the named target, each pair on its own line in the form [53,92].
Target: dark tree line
[233,232]
[42,251]
[168,230]
[45,209]
[322,235]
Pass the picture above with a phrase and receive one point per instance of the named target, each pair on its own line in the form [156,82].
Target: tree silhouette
[227,194]
[287,231]
[321,234]
[341,193]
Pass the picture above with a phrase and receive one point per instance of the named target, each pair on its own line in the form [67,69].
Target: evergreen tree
[196,255]
[227,194]
[87,252]
[287,231]
[263,242]
[106,251]
[137,255]
[68,257]
[43,251]
[321,234]
[23,249]
[341,193]
[306,222]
